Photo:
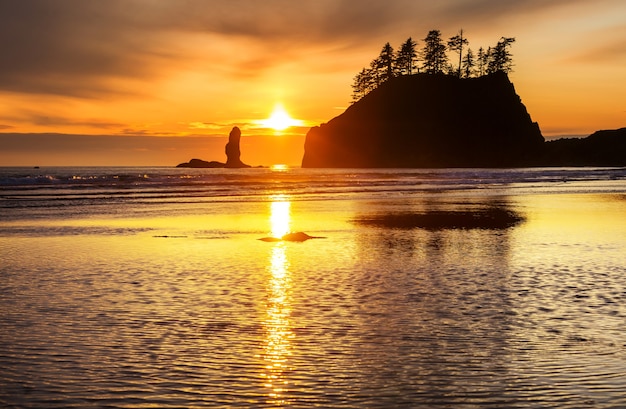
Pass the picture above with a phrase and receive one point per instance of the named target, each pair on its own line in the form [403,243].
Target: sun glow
[280,119]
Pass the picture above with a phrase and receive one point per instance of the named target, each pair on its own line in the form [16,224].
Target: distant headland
[602,148]
[233,155]
[438,114]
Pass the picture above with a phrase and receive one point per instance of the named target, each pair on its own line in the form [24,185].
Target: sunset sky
[157,82]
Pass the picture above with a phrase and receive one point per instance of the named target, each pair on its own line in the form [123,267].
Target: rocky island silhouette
[435,121]
[429,120]
[233,155]
[439,120]
[417,109]
[436,115]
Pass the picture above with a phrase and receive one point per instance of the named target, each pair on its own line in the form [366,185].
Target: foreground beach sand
[179,304]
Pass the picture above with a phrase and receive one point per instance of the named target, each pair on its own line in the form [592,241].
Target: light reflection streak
[280,215]
[278,328]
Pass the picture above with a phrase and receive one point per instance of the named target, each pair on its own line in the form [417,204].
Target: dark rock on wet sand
[299,236]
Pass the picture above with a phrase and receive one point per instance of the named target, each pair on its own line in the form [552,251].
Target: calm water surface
[148,287]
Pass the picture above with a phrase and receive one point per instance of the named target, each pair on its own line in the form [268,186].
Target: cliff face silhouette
[430,121]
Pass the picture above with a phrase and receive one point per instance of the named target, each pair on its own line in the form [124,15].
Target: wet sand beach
[419,294]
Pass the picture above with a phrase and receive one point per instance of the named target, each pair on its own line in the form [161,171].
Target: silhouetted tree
[500,58]
[406,56]
[380,70]
[434,53]
[385,63]
[468,64]
[435,60]
[364,82]
[374,73]
[450,69]
[456,43]
[483,61]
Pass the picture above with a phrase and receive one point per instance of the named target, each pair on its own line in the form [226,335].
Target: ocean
[452,288]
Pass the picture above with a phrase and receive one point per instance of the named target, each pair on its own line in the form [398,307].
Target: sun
[280,119]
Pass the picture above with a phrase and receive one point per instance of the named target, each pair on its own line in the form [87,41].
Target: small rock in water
[299,236]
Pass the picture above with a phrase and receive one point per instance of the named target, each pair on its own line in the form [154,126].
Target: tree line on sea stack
[433,59]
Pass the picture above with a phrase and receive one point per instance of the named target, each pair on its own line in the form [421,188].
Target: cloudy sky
[155,82]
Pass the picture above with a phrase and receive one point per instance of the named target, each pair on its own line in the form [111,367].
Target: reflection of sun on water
[280,217]
[279,167]
[277,323]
